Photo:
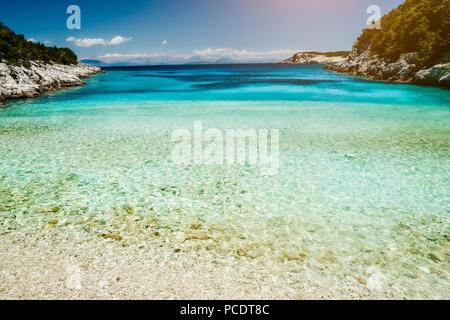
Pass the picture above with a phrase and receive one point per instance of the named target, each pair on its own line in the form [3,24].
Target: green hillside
[15,50]
[421,26]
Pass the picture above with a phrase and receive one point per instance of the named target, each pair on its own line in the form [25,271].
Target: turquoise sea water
[361,198]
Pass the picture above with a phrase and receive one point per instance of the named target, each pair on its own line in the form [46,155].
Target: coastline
[392,81]
[406,70]
[368,77]
[20,82]
[316,58]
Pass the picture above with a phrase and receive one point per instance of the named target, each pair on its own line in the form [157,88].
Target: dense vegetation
[15,50]
[421,26]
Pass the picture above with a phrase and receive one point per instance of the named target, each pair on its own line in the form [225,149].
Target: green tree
[16,50]
[421,26]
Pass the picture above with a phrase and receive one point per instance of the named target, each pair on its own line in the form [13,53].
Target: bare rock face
[405,70]
[313,58]
[439,73]
[18,81]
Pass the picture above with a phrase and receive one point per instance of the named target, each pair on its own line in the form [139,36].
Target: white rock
[376,281]
[313,58]
[372,269]
[103,284]
[18,81]
[438,73]
[180,237]
[405,69]
[424,269]
[73,280]
[445,79]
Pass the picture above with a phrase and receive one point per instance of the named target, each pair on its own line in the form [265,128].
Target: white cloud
[86,42]
[47,42]
[145,59]
[89,42]
[206,55]
[119,56]
[118,40]
[243,55]
[164,42]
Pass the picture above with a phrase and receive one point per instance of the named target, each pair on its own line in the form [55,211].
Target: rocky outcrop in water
[407,69]
[19,81]
[315,58]
[438,74]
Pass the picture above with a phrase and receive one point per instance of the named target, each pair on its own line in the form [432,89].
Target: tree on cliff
[421,26]
[16,50]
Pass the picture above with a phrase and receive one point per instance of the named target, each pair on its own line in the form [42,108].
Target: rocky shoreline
[407,69]
[313,58]
[22,82]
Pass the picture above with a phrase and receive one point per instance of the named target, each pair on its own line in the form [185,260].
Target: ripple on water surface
[360,201]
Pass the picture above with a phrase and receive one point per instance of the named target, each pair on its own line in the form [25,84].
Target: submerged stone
[49,209]
[198,236]
[432,238]
[294,255]
[180,236]
[376,281]
[128,209]
[112,236]
[436,256]
[350,156]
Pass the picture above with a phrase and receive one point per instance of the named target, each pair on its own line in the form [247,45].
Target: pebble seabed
[95,208]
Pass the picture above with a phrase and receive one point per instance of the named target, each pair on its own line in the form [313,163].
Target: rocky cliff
[316,58]
[21,81]
[412,45]
[406,69]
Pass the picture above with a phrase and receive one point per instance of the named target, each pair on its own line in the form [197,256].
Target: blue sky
[238,29]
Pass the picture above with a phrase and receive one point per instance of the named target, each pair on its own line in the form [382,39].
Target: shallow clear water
[361,197]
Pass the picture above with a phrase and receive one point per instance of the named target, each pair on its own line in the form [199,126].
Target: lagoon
[359,207]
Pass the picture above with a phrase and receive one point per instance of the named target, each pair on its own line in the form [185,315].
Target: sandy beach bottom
[82,267]
[92,207]
[96,269]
